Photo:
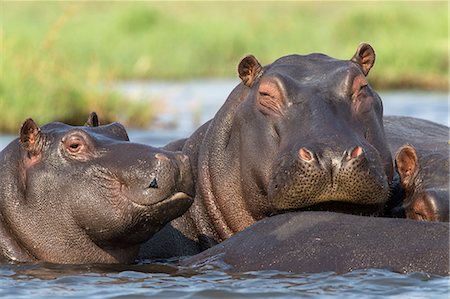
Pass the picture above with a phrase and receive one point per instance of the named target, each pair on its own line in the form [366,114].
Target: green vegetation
[60,60]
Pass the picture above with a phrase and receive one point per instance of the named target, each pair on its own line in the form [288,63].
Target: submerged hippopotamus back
[421,150]
[86,194]
[314,242]
[305,132]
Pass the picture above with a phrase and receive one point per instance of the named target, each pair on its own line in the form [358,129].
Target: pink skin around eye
[359,105]
[270,96]
[359,82]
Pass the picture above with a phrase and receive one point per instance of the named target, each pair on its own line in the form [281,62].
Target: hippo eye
[270,97]
[362,88]
[359,83]
[74,144]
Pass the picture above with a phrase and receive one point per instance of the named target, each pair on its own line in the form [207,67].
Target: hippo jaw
[137,201]
[150,205]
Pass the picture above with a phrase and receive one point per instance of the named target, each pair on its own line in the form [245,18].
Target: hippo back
[312,242]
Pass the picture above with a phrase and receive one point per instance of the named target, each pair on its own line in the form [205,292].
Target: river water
[182,107]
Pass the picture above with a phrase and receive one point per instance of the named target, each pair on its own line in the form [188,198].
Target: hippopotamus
[86,194]
[421,151]
[303,133]
[317,241]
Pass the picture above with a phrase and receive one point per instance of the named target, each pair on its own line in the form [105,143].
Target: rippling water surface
[182,108]
[163,281]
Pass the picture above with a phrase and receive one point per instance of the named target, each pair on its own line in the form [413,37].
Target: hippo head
[426,189]
[87,194]
[313,133]
[305,132]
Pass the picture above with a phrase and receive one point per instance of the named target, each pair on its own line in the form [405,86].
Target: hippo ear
[364,57]
[92,120]
[249,69]
[30,137]
[407,165]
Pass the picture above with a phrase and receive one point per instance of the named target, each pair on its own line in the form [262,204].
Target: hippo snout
[312,177]
[349,156]
[169,175]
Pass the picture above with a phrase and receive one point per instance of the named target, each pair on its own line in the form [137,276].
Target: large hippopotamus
[305,132]
[313,242]
[421,151]
[86,194]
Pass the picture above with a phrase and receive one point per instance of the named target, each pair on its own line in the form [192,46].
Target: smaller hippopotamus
[85,194]
[421,151]
[425,179]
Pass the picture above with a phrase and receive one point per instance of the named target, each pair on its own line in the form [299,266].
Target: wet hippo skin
[85,194]
[305,132]
[421,151]
[312,242]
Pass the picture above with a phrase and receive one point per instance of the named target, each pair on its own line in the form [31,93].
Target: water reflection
[48,271]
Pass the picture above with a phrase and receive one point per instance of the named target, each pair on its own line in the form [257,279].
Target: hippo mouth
[167,209]
[179,196]
[176,197]
[142,196]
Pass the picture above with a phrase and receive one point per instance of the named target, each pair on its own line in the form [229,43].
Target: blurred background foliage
[60,60]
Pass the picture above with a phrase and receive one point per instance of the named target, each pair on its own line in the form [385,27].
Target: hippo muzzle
[306,178]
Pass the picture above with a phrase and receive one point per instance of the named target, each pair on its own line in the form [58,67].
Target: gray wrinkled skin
[86,194]
[305,132]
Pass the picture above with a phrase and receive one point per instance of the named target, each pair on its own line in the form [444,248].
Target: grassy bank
[59,60]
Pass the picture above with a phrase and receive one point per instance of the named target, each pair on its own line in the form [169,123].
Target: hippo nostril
[305,154]
[354,153]
[154,184]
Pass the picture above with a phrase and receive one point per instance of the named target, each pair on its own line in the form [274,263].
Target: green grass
[59,60]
